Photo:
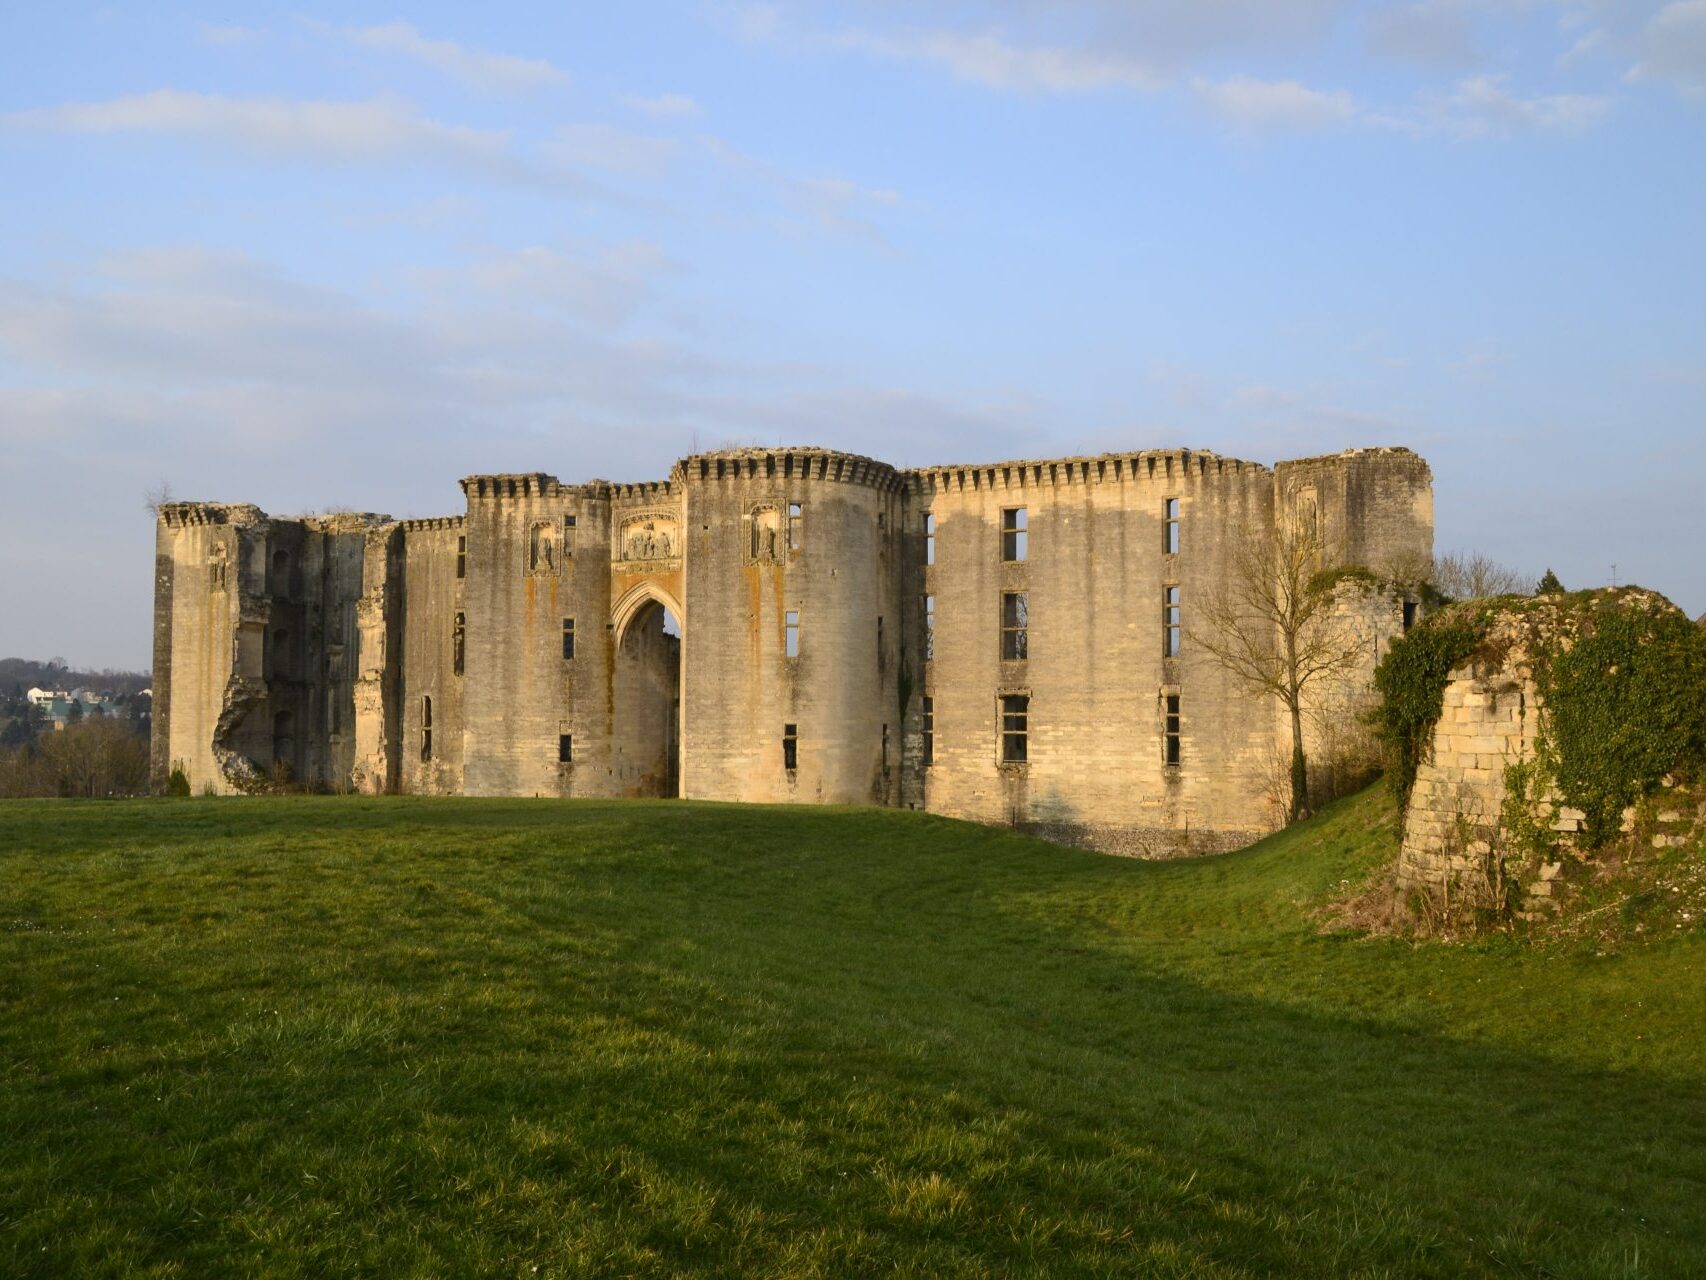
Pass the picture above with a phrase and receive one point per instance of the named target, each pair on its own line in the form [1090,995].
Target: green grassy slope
[409,1037]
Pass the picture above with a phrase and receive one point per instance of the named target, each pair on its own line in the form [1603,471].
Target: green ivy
[1411,679]
[1625,703]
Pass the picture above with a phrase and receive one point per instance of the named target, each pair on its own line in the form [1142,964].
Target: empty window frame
[458,643]
[929,628]
[565,748]
[1172,752]
[1015,533]
[796,518]
[426,728]
[568,639]
[791,634]
[929,732]
[1171,622]
[929,537]
[568,535]
[1409,615]
[1015,728]
[461,555]
[1170,526]
[790,746]
[1015,626]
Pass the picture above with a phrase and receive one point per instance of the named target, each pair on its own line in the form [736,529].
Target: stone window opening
[885,748]
[790,747]
[1409,615]
[565,748]
[1015,533]
[1171,622]
[1171,734]
[458,642]
[568,535]
[929,537]
[1015,728]
[929,732]
[1170,529]
[881,661]
[426,728]
[929,628]
[281,654]
[1015,626]
[281,573]
[461,555]
[791,634]
[568,639]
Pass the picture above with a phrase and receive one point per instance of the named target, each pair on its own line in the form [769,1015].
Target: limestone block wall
[743,578]
[433,661]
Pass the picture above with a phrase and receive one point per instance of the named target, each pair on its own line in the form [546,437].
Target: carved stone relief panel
[649,536]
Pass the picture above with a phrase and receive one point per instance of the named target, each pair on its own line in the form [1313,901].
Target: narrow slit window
[929,628]
[929,732]
[461,555]
[1170,732]
[458,643]
[1170,532]
[796,518]
[1015,727]
[565,748]
[1015,625]
[791,634]
[1015,533]
[426,728]
[790,746]
[929,537]
[568,535]
[879,642]
[568,639]
[1171,628]
[885,748]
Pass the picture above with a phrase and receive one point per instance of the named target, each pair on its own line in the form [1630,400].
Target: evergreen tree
[1549,585]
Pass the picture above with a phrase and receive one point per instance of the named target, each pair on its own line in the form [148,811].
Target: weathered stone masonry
[844,632]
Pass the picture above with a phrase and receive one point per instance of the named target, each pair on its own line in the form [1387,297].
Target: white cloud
[1276,104]
[330,132]
[663,106]
[1483,106]
[994,62]
[474,66]
[1673,48]
[1432,33]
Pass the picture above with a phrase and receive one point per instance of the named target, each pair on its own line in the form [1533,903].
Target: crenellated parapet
[790,464]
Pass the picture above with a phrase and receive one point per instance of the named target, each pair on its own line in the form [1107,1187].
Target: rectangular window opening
[565,748]
[796,515]
[1015,625]
[1409,615]
[885,748]
[1015,727]
[929,538]
[1015,533]
[929,732]
[1170,534]
[568,639]
[426,728]
[790,747]
[458,643]
[1170,733]
[929,628]
[568,535]
[791,634]
[461,555]
[1171,622]
[880,662]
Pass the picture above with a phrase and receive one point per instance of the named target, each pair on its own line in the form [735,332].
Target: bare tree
[1272,624]
[1473,576]
[156,496]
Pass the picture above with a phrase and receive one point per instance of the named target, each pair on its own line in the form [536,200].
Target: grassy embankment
[458,1038]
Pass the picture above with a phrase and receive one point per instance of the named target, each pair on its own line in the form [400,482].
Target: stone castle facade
[1006,643]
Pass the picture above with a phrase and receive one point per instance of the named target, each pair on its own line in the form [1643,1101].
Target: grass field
[330,1037]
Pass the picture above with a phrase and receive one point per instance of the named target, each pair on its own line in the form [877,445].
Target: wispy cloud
[1276,104]
[663,106]
[1485,106]
[327,132]
[1672,48]
[993,61]
[478,67]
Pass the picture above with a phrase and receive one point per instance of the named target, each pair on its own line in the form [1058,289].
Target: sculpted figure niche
[765,544]
[542,548]
[648,538]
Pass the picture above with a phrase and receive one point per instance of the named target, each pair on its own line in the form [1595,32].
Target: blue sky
[340,257]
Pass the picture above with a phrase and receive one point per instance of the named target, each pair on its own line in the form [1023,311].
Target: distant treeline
[99,752]
[28,673]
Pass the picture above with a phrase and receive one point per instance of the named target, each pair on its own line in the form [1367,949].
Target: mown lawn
[337,1037]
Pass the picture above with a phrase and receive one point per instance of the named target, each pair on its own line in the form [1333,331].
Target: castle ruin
[1004,642]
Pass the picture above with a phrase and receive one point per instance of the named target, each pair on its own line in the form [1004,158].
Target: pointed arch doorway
[646,693]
